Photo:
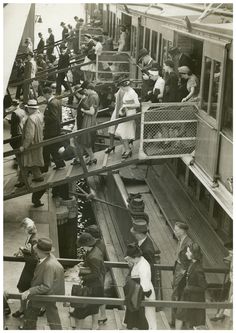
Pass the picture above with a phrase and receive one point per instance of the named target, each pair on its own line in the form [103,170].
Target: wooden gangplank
[72,173]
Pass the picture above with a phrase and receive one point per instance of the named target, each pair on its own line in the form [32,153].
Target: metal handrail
[122,301]
[112,264]
[74,134]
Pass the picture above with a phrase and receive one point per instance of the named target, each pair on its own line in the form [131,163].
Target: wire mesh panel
[167,130]
[111,65]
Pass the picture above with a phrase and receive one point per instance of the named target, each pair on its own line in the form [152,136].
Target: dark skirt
[91,309]
[27,274]
[195,317]
[136,319]
[88,139]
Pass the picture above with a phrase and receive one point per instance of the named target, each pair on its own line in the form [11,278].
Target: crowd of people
[42,274]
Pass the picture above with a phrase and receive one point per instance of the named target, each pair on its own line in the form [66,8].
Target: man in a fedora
[48,280]
[181,263]
[32,134]
[140,233]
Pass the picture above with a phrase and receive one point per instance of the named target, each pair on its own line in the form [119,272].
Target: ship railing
[121,301]
[112,264]
[64,138]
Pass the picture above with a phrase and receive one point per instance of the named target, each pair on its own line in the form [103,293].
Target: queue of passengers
[189,282]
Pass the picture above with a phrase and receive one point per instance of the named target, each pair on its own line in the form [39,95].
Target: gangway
[106,163]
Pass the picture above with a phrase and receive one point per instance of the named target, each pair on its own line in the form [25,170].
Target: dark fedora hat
[139,226]
[123,82]
[142,53]
[44,245]
[86,239]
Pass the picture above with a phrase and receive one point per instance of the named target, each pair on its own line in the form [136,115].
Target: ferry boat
[190,179]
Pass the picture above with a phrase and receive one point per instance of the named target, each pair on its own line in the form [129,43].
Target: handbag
[80,290]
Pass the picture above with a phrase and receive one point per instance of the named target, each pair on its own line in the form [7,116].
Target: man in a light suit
[48,280]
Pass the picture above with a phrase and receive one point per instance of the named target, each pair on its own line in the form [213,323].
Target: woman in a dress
[194,291]
[145,317]
[92,273]
[90,55]
[192,84]
[89,109]
[130,103]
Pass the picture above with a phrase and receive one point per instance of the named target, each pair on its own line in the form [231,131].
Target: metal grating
[167,130]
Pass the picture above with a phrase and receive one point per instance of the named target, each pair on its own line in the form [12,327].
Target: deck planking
[67,174]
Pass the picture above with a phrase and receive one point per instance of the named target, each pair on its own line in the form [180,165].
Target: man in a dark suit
[63,62]
[50,45]
[41,44]
[140,233]
[181,264]
[52,128]
[180,59]
[65,31]
[48,280]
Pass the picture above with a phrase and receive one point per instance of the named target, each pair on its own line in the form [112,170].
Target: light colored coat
[32,134]
[48,278]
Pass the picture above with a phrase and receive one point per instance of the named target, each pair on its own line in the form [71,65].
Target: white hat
[27,223]
[153,72]
[32,103]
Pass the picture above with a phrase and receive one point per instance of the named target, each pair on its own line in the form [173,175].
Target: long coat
[94,280]
[32,134]
[52,119]
[48,278]
[194,292]
[30,264]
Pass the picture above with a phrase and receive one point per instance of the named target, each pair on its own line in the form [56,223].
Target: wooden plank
[57,177]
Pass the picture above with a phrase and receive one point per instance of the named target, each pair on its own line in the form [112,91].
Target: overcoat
[48,278]
[194,291]
[32,134]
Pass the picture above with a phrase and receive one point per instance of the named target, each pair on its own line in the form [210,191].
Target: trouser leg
[58,84]
[36,172]
[26,90]
[46,158]
[36,196]
[31,317]
[53,317]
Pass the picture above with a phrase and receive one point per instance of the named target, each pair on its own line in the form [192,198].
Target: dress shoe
[18,314]
[102,321]
[38,204]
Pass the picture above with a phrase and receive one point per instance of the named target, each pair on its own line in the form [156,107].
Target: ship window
[224,226]
[147,38]
[154,45]
[227,126]
[210,97]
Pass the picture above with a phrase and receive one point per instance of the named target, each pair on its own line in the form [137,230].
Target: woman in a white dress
[126,131]
[141,273]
